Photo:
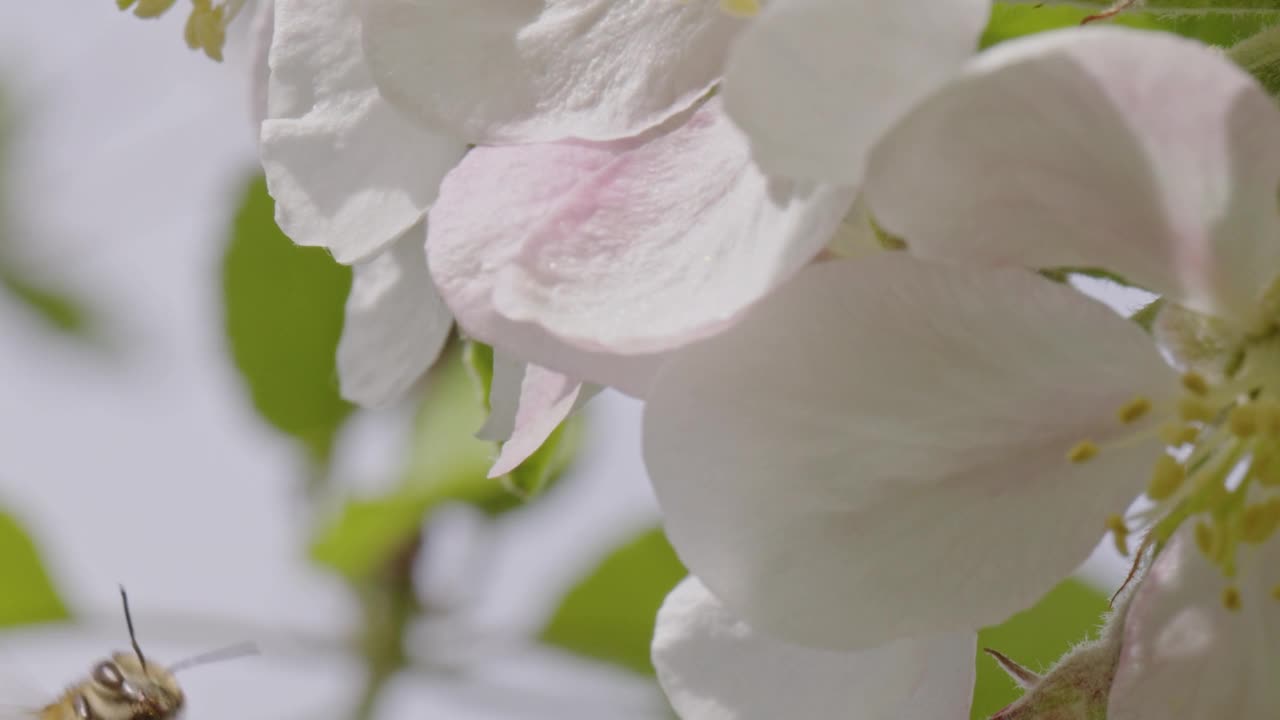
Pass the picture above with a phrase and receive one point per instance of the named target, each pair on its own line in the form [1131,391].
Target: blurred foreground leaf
[609,615]
[447,463]
[29,595]
[1035,638]
[57,309]
[283,314]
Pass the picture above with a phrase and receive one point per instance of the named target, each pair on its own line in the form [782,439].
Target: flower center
[1221,465]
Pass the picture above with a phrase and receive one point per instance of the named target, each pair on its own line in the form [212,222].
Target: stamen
[1205,539]
[1176,434]
[1195,383]
[1231,598]
[1083,451]
[1134,410]
[741,8]
[1193,408]
[1258,523]
[1275,593]
[1243,420]
[1167,476]
[1120,533]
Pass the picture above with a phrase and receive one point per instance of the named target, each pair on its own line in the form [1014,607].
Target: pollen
[1134,410]
[740,8]
[1119,533]
[1192,408]
[1167,476]
[1243,420]
[1231,598]
[1176,434]
[1084,451]
[1195,383]
[1258,523]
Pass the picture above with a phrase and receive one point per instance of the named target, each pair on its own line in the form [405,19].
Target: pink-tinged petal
[396,324]
[715,667]
[816,82]
[878,449]
[1185,656]
[346,171]
[1144,153]
[663,244]
[546,399]
[496,71]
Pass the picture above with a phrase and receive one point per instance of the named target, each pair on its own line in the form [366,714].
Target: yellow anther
[1269,418]
[1258,523]
[1193,408]
[1119,533]
[1243,420]
[1178,433]
[1231,598]
[1265,469]
[1133,410]
[1082,452]
[1166,478]
[1206,539]
[1195,383]
[1275,593]
[741,8]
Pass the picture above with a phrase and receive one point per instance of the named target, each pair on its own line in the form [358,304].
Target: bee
[129,687]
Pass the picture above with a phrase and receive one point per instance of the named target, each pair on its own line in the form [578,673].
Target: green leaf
[1013,19]
[29,595]
[283,316]
[1035,639]
[58,310]
[609,615]
[447,464]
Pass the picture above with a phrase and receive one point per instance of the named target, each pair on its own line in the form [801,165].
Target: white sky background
[144,464]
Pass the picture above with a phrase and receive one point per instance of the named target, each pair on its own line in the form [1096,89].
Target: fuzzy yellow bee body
[122,688]
[128,686]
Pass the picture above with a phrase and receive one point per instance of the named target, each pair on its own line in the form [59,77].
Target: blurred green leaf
[284,308]
[1035,639]
[479,361]
[29,595]
[57,309]
[1010,20]
[549,462]
[447,463]
[609,615]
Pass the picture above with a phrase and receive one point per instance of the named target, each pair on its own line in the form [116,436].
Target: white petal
[878,449]
[347,172]
[666,243]
[546,399]
[715,667]
[1144,153]
[816,82]
[396,324]
[1185,656]
[496,71]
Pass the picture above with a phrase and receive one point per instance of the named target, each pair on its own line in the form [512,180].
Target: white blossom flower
[715,667]
[1185,655]
[813,82]
[348,174]
[907,445]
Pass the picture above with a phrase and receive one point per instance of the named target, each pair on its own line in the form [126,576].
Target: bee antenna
[230,652]
[128,621]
